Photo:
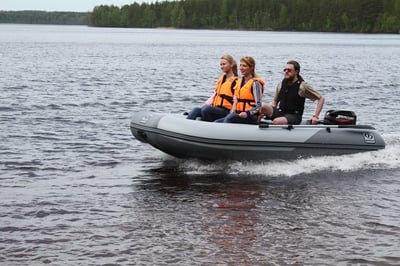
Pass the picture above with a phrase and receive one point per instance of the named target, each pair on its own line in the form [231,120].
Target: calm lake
[77,189]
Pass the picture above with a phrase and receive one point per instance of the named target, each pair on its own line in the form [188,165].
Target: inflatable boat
[184,138]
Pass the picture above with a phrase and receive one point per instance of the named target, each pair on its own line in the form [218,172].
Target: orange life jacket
[224,91]
[244,95]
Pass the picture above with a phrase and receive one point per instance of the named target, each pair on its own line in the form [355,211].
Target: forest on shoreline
[361,16]
[356,16]
[43,17]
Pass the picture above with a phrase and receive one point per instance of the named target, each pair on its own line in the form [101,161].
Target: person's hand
[314,120]
[243,115]
[259,118]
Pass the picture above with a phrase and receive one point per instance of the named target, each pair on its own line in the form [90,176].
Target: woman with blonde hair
[220,103]
[249,91]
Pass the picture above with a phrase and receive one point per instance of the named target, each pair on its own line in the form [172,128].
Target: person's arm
[320,105]
[275,101]
[233,109]
[310,93]
[257,92]
[209,100]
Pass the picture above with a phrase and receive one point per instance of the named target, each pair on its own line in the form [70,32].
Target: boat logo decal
[145,119]
[369,138]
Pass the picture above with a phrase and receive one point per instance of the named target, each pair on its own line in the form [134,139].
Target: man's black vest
[289,100]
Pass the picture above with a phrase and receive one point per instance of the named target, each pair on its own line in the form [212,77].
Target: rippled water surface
[77,189]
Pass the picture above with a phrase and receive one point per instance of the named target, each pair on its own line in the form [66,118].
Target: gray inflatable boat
[184,138]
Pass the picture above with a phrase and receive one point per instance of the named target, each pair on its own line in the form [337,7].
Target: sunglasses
[288,70]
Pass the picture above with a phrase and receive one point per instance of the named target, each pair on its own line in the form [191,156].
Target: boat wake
[388,158]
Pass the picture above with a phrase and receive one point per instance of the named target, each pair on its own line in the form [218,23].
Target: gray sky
[63,5]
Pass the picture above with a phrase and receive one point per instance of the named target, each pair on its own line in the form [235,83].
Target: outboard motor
[340,117]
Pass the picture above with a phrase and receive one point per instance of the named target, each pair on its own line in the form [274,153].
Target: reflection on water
[255,220]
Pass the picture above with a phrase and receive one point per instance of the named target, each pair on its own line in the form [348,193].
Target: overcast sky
[63,5]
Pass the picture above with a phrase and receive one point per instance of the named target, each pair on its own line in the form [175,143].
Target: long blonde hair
[232,61]
[250,62]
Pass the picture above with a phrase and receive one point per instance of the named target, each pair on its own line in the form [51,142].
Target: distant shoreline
[172,28]
[85,18]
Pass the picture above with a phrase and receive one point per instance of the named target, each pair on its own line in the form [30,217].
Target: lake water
[77,189]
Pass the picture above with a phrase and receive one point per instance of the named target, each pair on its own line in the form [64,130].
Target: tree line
[362,16]
[43,17]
